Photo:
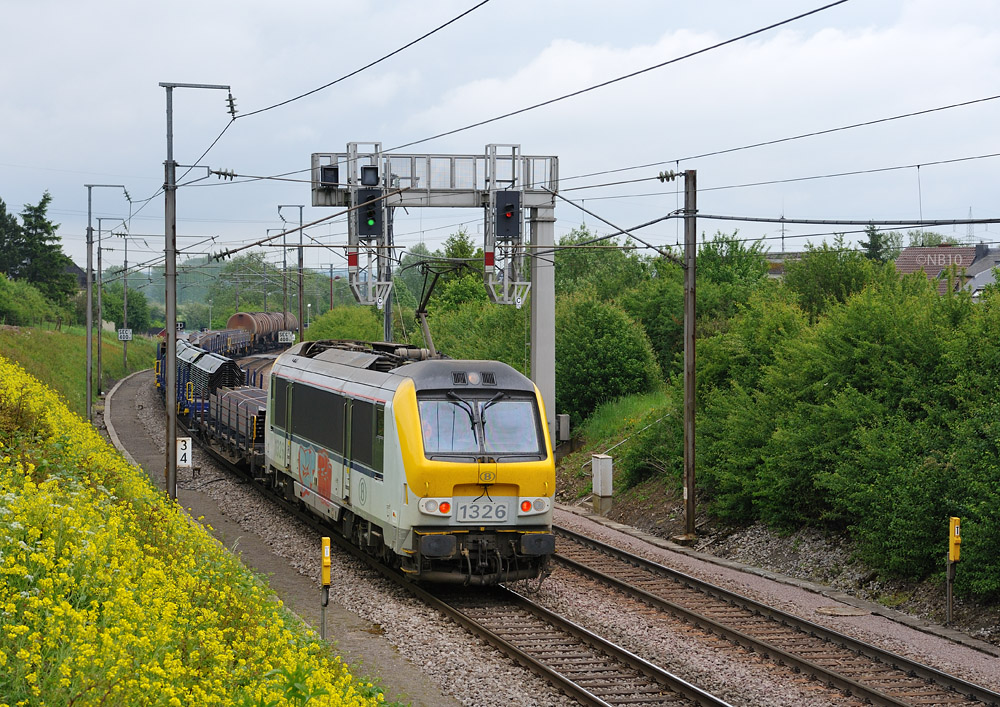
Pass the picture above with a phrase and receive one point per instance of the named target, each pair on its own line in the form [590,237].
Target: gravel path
[475,674]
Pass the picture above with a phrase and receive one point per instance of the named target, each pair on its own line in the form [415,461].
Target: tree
[926,239]
[409,268]
[827,273]
[607,266]
[113,306]
[347,322]
[881,246]
[11,242]
[31,251]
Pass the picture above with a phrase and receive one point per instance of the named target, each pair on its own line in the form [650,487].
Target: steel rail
[909,667]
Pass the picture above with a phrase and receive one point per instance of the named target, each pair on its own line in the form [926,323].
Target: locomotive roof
[365,364]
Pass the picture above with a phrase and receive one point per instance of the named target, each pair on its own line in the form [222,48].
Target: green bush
[347,321]
[601,354]
[478,329]
[21,304]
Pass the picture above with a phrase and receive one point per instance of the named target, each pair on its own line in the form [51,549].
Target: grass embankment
[632,429]
[58,359]
[110,594]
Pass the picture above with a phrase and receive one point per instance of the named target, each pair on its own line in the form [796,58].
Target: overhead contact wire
[623,78]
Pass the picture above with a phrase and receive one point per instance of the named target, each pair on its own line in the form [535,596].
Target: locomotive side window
[280,392]
[378,451]
[361,431]
[336,410]
[318,415]
[509,427]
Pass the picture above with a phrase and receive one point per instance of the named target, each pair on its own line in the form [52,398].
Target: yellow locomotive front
[480,477]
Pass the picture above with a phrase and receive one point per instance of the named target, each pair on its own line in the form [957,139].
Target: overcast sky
[80,103]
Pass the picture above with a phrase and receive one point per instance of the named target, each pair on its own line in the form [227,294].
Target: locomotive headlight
[435,506]
[533,506]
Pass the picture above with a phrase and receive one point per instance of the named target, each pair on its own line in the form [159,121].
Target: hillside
[58,359]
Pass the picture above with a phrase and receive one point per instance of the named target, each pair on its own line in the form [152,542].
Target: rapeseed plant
[110,594]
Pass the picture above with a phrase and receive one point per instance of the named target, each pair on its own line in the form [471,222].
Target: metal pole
[170,277]
[90,305]
[301,265]
[331,286]
[542,222]
[302,334]
[100,306]
[284,282]
[90,296]
[386,261]
[125,309]
[690,253]
[949,579]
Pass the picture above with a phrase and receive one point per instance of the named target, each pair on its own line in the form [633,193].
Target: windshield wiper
[465,405]
[489,403]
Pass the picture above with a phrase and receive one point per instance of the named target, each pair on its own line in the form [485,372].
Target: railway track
[857,669]
[583,665]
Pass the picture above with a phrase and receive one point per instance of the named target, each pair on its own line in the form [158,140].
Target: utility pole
[124,236]
[90,296]
[690,253]
[100,307]
[301,264]
[170,277]
[284,277]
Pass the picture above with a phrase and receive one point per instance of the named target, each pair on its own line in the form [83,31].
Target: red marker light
[444,507]
[525,505]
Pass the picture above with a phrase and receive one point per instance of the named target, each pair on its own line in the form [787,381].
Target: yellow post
[326,562]
[325,580]
[954,554]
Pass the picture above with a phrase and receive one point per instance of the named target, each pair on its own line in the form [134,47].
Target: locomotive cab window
[502,427]
[509,427]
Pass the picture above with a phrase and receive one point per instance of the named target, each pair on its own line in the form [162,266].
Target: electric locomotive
[441,467]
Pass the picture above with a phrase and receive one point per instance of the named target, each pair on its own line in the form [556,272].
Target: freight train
[440,467]
[246,333]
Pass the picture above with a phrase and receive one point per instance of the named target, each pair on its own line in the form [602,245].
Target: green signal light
[371,221]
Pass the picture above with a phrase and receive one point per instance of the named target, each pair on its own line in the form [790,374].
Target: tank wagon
[441,467]
[263,327]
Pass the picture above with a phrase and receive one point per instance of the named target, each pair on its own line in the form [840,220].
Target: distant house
[79,273]
[936,261]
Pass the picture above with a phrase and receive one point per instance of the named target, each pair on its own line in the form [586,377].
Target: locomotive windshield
[498,426]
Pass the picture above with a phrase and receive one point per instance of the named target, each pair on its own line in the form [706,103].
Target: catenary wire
[370,64]
[623,78]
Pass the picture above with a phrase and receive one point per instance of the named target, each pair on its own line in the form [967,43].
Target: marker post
[326,587]
[954,555]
